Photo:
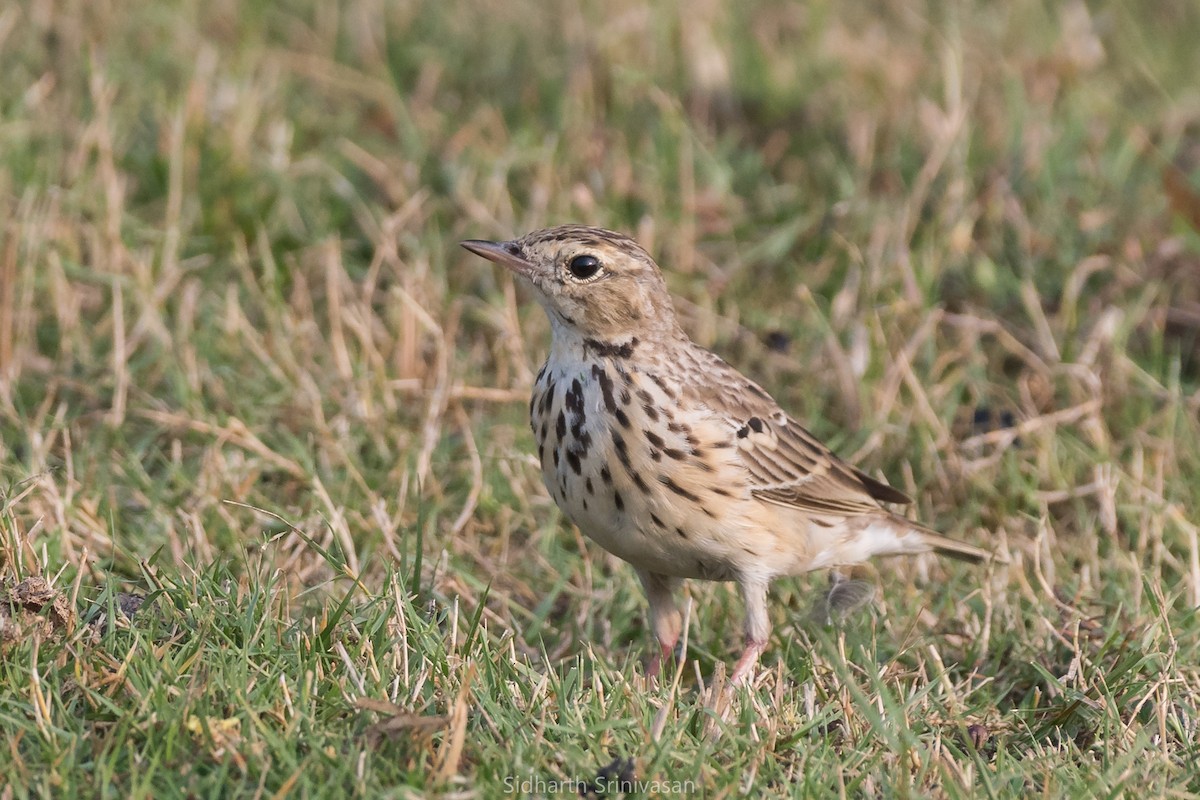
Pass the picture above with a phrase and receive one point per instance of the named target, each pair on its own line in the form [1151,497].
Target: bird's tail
[930,540]
[951,547]
[945,546]
[889,535]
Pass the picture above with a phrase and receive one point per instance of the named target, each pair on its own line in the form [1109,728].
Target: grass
[249,381]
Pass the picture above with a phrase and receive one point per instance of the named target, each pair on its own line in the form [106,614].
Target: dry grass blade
[449,755]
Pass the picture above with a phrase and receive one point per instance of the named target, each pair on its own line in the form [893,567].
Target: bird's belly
[707,551]
[613,510]
[704,535]
[653,495]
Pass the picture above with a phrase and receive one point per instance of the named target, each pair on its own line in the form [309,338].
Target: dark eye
[584,267]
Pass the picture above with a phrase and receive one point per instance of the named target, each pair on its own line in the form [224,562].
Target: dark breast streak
[624,466]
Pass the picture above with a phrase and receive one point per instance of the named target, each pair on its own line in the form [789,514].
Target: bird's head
[594,283]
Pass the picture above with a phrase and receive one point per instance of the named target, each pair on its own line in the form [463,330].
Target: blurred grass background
[247,374]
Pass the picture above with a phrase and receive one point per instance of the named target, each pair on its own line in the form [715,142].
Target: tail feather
[945,546]
[887,535]
[931,540]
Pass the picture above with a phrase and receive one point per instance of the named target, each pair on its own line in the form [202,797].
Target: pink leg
[758,628]
[745,665]
[665,620]
[665,653]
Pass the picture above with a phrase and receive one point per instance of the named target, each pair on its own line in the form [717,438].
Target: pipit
[671,459]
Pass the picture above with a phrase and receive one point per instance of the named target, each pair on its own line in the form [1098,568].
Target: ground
[269,520]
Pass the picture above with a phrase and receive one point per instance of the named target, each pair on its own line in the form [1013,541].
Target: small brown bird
[670,458]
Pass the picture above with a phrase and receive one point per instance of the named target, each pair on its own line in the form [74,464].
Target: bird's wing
[786,464]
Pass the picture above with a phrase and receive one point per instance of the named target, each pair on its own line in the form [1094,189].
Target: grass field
[250,383]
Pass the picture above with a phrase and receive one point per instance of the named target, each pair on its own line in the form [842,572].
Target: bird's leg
[758,628]
[665,620]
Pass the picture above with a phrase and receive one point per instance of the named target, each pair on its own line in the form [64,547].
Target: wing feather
[785,463]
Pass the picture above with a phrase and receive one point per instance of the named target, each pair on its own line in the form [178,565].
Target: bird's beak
[504,253]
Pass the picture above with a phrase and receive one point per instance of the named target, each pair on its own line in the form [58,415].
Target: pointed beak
[506,254]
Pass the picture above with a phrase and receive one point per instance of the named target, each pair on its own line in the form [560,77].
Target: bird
[672,460]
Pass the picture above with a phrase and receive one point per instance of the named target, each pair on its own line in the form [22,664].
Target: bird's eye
[584,267]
